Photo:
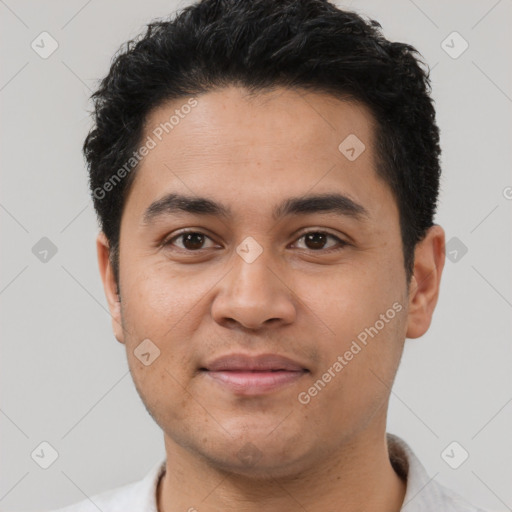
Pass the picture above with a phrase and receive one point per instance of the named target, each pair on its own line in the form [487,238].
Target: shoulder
[136,495]
[112,500]
[423,493]
[452,501]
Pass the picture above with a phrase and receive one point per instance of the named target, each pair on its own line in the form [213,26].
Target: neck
[358,476]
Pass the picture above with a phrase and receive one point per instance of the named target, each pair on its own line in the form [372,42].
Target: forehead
[252,150]
[292,123]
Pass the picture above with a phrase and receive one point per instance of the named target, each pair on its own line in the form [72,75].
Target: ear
[429,258]
[109,285]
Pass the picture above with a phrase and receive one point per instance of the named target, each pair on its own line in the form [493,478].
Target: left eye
[191,240]
[317,240]
[314,240]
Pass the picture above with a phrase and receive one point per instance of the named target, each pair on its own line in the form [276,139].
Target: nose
[254,296]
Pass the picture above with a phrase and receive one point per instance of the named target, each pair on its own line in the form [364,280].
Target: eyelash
[341,243]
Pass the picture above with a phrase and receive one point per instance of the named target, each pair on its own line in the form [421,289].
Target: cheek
[163,394]
[162,378]
[159,301]
[362,315]
[164,310]
[352,386]
[349,297]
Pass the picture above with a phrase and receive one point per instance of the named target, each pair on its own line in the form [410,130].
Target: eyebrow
[320,203]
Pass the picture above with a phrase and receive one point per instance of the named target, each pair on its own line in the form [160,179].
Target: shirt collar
[422,493]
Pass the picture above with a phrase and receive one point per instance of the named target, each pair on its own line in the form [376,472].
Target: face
[263,326]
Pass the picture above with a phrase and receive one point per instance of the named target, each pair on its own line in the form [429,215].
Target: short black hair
[260,45]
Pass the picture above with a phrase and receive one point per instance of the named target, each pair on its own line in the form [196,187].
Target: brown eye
[317,240]
[193,240]
[190,240]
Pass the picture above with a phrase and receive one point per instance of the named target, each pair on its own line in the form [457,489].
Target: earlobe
[429,258]
[109,285]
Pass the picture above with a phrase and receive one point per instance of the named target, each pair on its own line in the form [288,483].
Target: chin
[258,455]
[256,464]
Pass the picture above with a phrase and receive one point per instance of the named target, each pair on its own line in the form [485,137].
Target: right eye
[191,240]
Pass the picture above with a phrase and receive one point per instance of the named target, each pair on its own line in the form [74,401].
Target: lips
[254,375]
[262,363]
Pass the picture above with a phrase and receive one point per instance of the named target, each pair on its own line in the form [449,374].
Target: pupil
[313,240]
[317,239]
[193,240]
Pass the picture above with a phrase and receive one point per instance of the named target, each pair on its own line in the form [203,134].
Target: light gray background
[65,378]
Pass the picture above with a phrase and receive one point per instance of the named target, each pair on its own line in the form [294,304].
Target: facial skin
[303,300]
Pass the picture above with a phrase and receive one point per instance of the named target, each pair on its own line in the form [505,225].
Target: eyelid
[167,241]
[341,243]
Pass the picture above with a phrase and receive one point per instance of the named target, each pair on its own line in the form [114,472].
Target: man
[266,176]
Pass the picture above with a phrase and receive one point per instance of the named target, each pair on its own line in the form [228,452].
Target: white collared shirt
[423,494]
